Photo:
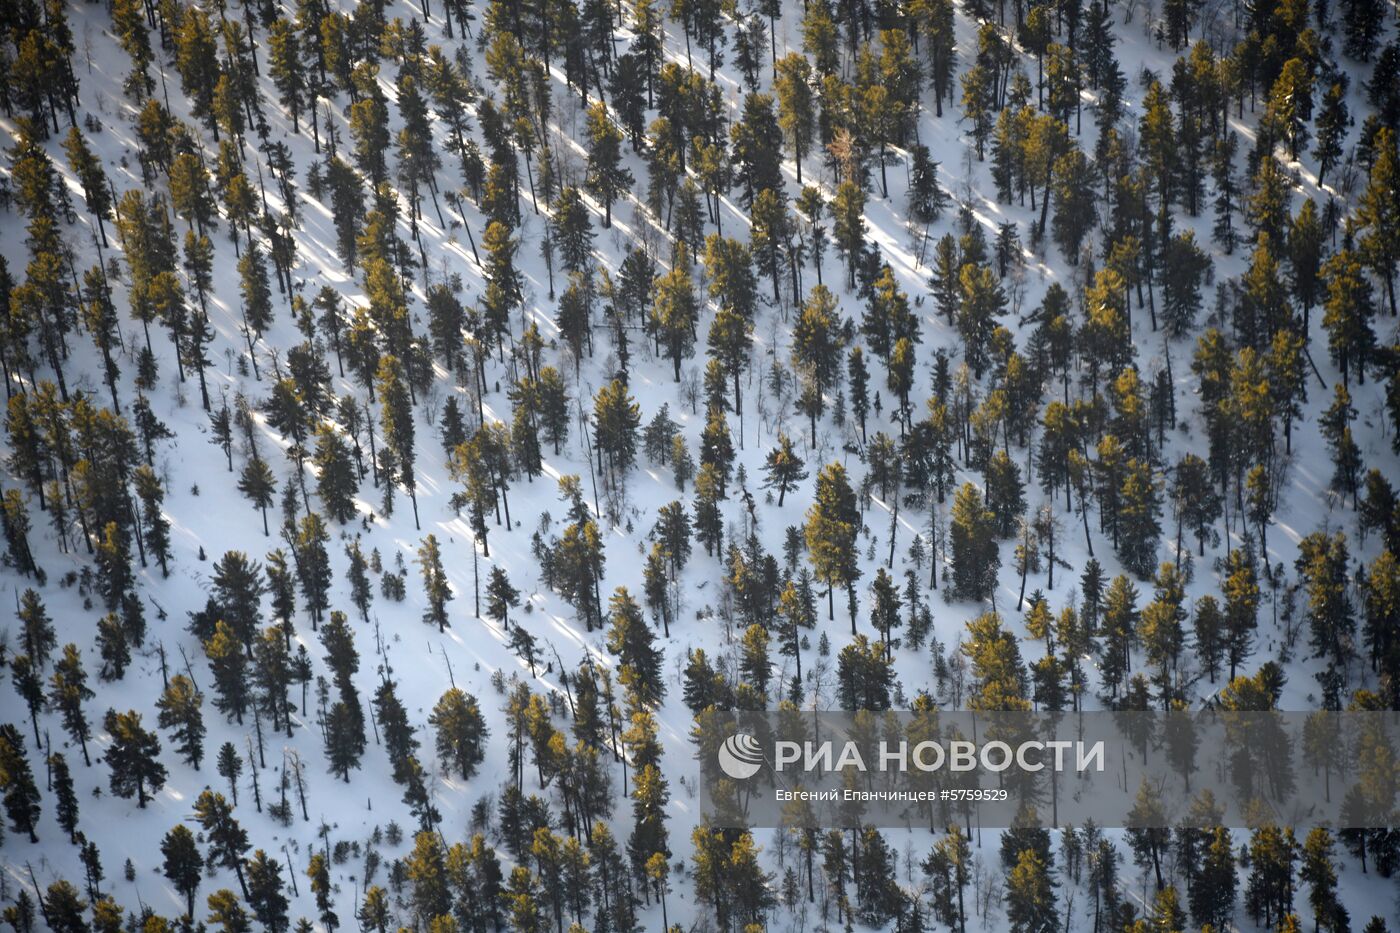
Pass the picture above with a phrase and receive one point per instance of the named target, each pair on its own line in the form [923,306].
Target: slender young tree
[181,713]
[608,178]
[435,586]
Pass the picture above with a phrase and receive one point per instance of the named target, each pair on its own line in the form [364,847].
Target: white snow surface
[206,510]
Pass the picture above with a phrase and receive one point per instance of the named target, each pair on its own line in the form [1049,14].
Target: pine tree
[253,285]
[949,869]
[228,841]
[1361,25]
[373,912]
[225,910]
[639,660]
[503,292]
[337,480]
[981,302]
[1333,122]
[20,793]
[369,131]
[191,197]
[1289,106]
[756,146]
[927,199]
[418,161]
[281,586]
[1320,874]
[157,526]
[114,570]
[259,485]
[265,895]
[616,418]
[148,427]
[68,690]
[848,226]
[345,740]
[183,866]
[833,524]
[129,20]
[649,837]
[399,740]
[1196,501]
[1005,492]
[64,908]
[88,167]
[573,230]
[238,589]
[501,597]
[1210,638]
[730,340]
[1030,895]
[783,468]
[313,564]
[1269,891]
[1227,198]
[221,431]
[1381,589]
[1075,202]
[1184,267]
[575,317]
[979,85]
[1139,509]
[1347,312]
[974,547]
[708,520]
[730,877]
[272,671]
[817,342]
[523,644]
[229,766]
[675,311]
[717,446]
[1241,592]
[16,520]
[859,381]
[1212,894]
[285,68]
[27,454]
[112,647]
[196,60]
[461,732]
[181,712]
[435,585]
[132,757]
[608,179]
[396,418]
[65,797]
[1179,16]
[347,202]
[1346,455]
[319,874]
[228,663]
[1322,566]
[29,684]
[792,83]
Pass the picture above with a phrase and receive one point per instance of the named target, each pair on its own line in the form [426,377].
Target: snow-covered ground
[207,513]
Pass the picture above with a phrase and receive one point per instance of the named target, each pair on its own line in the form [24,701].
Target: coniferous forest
[418,411]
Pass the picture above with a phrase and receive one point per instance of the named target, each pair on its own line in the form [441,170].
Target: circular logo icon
[740,756]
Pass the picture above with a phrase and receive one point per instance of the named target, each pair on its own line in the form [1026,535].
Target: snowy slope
[207,513]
